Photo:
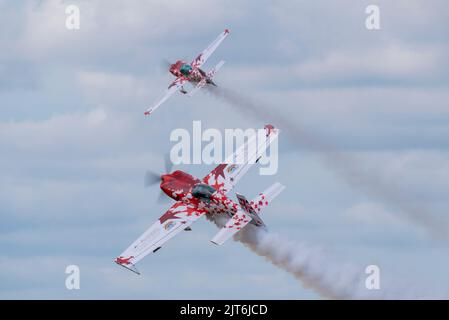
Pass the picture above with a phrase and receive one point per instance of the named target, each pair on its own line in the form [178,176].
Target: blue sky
[75,145]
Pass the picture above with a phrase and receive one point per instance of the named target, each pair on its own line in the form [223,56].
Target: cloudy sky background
[74,143]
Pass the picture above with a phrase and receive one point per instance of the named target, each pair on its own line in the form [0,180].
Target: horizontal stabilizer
[215,69]
[249,213]
[266,197]
[233,225]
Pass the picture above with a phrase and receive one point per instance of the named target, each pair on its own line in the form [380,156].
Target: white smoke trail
[342,164]
[312,266]
[317,270]
[308,264]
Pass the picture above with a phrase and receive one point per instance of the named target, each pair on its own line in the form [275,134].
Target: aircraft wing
[174,86]
[203,56]
[179,217]
[225,176]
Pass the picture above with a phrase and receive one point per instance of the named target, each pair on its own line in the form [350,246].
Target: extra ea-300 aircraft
[208,196]
[192,73]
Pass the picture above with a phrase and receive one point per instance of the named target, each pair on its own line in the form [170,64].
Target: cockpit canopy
[186,69]
[203,191]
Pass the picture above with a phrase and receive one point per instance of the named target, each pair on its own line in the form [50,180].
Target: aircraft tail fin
[249,210]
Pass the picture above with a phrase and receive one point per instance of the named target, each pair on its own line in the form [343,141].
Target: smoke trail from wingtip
[343,165]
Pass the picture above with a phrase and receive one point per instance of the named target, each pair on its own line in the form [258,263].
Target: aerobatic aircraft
[185,72]
[208,196]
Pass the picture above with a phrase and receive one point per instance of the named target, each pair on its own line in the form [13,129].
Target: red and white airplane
[208,196]
[192,73]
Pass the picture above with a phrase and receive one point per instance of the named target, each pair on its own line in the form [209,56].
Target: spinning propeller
[152,178]
[165,65]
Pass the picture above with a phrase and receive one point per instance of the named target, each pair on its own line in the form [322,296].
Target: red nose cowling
[174,68]
[177,184]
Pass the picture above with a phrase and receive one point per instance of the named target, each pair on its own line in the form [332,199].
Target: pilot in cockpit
[203,191]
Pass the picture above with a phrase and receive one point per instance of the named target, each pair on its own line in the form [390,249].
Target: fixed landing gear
[182,90]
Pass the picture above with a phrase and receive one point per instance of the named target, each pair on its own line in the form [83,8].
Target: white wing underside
[203,56]
[175,220]
[227,175]
[174,86]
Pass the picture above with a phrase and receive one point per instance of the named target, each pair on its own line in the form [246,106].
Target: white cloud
[108,27]
[390,63]
[117,90]
[66,132]
[82,163]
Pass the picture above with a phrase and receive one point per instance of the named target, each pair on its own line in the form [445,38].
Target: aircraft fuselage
[182,186]
[183,69]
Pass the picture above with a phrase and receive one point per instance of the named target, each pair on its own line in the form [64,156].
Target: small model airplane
[192,73]
[208,196]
